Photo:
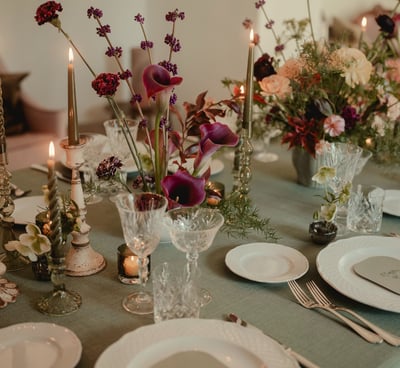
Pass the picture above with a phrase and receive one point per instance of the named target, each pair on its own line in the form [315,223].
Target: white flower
[379,125]
[324,174]
[328,212]
[393,112]
[355,67]
[31,244]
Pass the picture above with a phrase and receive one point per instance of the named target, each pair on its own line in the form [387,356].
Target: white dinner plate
[266,262]
[335,265]
[39,345]
[224,344]
[391,203]
[27,208]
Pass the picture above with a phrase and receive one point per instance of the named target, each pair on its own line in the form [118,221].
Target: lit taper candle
[54,210]
[248,101]
[73,135]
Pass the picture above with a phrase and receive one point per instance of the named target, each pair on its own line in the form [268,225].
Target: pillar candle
[248,101]
[73,135]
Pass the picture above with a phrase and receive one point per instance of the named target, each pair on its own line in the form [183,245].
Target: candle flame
[364,23]
[242,89]
[251,35]
[70,55]
[51,150]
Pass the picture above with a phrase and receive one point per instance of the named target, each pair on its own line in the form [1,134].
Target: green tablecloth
[101,320]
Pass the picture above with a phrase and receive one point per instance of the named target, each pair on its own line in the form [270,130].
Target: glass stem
[142,263]
[191,265]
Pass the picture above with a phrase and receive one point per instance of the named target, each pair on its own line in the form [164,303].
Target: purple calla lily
[157,79]
[182,189]
[213,136]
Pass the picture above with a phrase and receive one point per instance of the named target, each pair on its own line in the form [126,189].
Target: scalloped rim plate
[391,203]
[267,262]
[335,265]
[225,342]
[39,345]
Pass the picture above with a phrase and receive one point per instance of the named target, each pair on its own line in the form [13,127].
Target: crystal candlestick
[13,260]
[60,301]
[82,259]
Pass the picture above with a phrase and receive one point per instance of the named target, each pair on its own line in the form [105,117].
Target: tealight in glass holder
[128,268]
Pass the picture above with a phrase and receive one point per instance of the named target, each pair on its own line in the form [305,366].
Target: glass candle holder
[128,268]
[215,192]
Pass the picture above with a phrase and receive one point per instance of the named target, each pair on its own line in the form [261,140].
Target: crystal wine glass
[192,230]
[141,215]
[116,134]
[264,155]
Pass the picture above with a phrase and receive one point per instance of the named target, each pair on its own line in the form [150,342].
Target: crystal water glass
[192,230]
[141,218]
[344,158]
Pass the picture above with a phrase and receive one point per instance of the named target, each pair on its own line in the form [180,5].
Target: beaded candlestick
[60,301]
[82,259]
[13,260]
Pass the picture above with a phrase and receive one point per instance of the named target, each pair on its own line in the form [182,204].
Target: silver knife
[300,358]
[44,169]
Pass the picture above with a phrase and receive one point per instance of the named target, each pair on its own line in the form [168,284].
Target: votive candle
[248,101]
[73,135]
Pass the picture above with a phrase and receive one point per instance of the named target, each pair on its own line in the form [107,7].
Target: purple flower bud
[139,18]
[174,15]
[114,51]
[96,13]
[103,30]
[136,98]
[125,75]
[259,4]
[108,167]
[106,84]
[47,12]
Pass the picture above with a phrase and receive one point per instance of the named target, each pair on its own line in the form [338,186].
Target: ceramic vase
[305,165]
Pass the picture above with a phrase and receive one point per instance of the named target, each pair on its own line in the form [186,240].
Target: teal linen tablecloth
[101,319]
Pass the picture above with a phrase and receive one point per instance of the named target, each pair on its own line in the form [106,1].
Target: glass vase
[40,268]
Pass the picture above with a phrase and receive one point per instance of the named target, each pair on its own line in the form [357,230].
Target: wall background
[212,36]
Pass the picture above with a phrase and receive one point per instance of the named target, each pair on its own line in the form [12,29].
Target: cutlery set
[373,334]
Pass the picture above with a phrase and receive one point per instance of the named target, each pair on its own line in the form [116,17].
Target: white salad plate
[216,166]
[335,265]
[26,209]
[267,262]
[39,345]
[202,342]
[391,203]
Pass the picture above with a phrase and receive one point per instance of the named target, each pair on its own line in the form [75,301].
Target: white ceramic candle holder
[82,259]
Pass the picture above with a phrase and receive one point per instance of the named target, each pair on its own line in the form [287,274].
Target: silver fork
[306,302]
[320,297]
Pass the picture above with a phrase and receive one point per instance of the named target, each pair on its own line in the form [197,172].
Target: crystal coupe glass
[192,230]
[141,215]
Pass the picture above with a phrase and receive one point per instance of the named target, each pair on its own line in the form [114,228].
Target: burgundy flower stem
[131,89]
[157,163]
[129,140]
[77,50]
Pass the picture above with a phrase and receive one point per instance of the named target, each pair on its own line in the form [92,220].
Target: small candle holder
[128,268]
[215,192]
[82,259]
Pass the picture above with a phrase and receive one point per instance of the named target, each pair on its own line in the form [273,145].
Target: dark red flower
[263,67]
[304,133]
[108,167]
[386,24]
[47,12]
[213,136]
[157,79]
[106,84]
[183,189]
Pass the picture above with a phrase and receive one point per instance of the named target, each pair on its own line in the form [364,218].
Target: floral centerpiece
[188,143]
[329,91]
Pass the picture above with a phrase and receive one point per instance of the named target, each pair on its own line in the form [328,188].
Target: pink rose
[334,125]
[393,73]
[276,85]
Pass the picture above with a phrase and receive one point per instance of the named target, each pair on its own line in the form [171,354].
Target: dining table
[101,320]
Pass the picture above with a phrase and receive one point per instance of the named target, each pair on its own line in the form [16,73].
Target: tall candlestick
[248,102]
[55,215]
[73,135]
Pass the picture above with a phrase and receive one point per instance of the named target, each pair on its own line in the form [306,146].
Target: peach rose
[393,74]
[276,85]
[291,69]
